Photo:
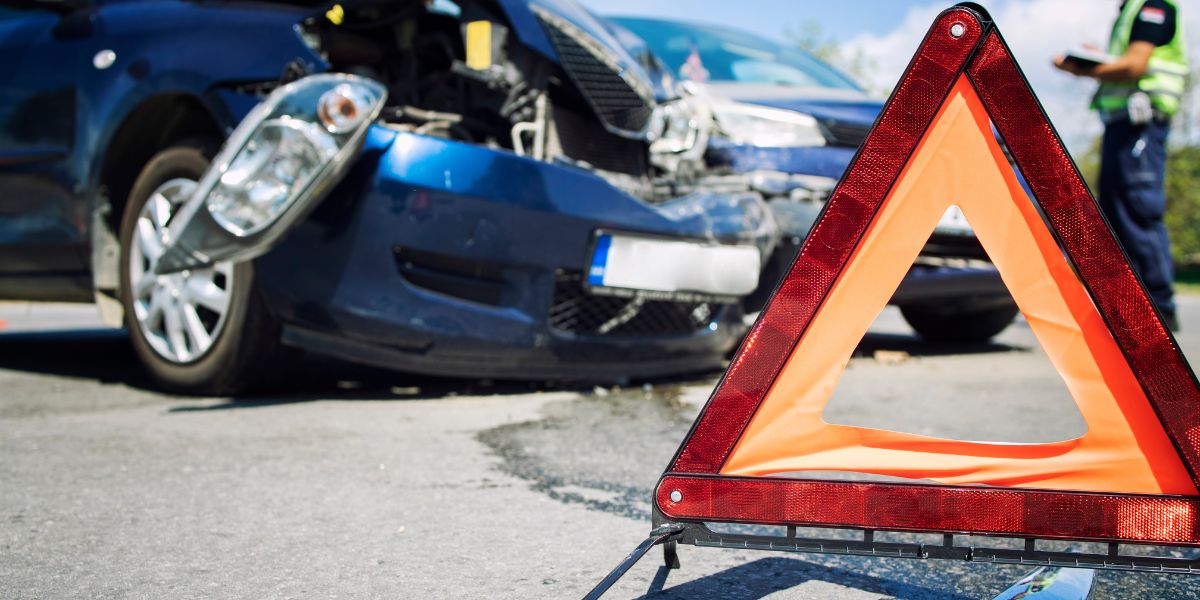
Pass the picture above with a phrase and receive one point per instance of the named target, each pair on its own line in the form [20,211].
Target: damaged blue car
[487,188]
[793,123]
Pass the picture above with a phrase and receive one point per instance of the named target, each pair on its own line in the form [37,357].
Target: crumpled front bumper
[454,259]
[797,209]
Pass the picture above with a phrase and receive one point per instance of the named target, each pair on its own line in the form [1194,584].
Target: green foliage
[1187,284]
[811,37]
[1183,205]
[1089,165]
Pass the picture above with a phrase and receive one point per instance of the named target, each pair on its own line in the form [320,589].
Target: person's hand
[1070,66]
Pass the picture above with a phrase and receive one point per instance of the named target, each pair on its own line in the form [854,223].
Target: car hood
[843,106]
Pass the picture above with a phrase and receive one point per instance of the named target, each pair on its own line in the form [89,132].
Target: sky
[887,33]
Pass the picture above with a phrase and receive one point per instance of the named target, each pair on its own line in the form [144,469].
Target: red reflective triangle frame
[1074,218]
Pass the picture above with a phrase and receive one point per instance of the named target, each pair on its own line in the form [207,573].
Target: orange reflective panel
[959,162]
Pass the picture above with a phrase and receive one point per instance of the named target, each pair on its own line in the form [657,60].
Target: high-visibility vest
[1166,76]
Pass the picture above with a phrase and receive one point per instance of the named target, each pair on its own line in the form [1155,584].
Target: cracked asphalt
[363,484]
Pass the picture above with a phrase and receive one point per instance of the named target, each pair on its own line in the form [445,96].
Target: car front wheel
[938,324]
[199,331]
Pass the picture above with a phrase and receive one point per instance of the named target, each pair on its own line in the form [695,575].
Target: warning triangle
[1124,450]
[1131,477]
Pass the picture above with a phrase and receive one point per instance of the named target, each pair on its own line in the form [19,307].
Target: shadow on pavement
[105,355]
[915,346]
[767,576]
[334,382]
[100,354]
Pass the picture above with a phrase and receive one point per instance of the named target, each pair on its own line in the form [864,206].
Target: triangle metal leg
[662,535]
[671,554]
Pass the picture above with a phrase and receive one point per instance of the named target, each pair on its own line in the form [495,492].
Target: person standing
[1140,90]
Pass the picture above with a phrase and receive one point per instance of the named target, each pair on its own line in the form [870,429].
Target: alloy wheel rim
[180,315]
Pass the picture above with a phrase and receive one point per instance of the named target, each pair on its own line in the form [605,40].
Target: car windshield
[708,53]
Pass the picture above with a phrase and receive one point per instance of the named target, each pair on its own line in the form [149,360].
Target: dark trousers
[1133,165]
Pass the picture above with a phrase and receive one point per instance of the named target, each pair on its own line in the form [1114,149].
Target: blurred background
[873,42]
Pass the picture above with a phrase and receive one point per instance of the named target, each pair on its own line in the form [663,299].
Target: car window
[708,53]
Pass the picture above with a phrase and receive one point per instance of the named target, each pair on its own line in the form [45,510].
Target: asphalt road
[366,484]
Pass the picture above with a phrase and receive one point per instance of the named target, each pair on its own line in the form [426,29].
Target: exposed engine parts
[462,77]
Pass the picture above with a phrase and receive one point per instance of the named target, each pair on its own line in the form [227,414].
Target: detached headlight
[283,157]
[279,161]
[679,129]
[766,127]
[293,145]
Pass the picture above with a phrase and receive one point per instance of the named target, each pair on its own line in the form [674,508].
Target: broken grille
[576,311]
[620,100]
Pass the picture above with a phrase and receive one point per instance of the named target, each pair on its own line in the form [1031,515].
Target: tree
[811,38]
[1183,206]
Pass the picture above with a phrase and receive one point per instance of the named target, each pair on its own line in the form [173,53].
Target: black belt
[1117,116]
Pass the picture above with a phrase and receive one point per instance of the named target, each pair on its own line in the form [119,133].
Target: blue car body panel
[824,161]
[861,112]
[59,113]
[530,219]
[527,28]
[819,160]
[800,160]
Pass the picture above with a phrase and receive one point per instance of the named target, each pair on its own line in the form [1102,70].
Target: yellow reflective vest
[1166,77]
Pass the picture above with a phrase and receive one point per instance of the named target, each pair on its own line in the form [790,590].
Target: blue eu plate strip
[599,260]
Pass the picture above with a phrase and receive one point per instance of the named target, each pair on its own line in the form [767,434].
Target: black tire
[246,350]
[937,324]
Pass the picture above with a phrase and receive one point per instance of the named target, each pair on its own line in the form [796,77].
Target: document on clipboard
[1087,58]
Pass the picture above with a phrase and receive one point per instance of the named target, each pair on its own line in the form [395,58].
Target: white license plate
[955,222]
[640,263]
